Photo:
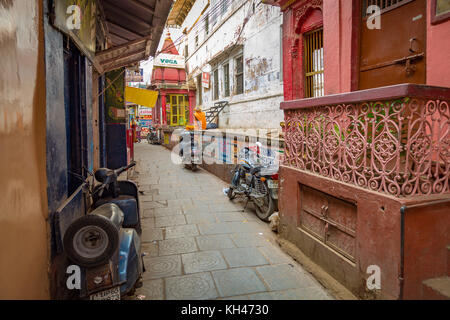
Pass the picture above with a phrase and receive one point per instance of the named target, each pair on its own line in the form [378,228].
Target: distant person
[200,120]
[138,130]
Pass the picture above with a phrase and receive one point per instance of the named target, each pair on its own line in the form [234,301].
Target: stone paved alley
[199,245]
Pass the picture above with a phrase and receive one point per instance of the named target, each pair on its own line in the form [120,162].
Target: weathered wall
[23,201]
[247,28]
[438,52]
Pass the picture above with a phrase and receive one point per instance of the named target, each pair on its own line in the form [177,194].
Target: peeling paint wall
[23,201]
[248,28]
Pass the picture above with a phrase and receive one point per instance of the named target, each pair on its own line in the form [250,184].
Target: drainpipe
[402,238]
[402,250]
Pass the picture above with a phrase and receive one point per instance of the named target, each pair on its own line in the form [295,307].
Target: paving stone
[151,290]
[178,202]
[203,261]
[150,249]
[191,209]
[200,218]
[229,216]
[177,246]
[214,242]
[147,222]
[309,293]
[284,276]
[188,230]
[235,298]
[238,281]
[146,198]
[275,255]
[198,286]
[243,240]
[152,235]
[152,204]
[162,212]
[225,207]
[161,267]
[164,197]
[168,221]
[215,228]
[247,227]
[244,257]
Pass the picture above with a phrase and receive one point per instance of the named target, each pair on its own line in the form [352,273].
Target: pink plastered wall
[438,52]
[338,22]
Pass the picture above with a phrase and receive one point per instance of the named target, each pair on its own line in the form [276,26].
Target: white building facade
[237,44]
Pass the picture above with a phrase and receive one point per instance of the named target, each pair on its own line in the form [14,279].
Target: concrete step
[436,289]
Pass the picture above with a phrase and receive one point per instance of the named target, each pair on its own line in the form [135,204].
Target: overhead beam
[124,29]
[142,6]
[125,46]
[109,7]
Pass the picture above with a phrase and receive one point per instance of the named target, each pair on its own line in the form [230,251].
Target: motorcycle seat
[112,212]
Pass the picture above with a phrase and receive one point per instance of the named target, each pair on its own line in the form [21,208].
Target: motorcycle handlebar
[121,170]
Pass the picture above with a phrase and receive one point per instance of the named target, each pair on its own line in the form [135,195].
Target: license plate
[272,184]
[110,294]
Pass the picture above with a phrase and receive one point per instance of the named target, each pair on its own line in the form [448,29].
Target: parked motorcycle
[105,243]
[190,151]
[256,178]
[152,137]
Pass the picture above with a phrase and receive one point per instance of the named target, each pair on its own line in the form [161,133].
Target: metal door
[394,53]
[330,220]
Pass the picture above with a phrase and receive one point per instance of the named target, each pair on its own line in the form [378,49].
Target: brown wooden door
[395,53]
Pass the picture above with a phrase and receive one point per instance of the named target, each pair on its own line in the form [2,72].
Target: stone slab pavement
[200,245]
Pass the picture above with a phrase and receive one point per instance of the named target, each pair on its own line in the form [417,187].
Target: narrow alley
[199,245]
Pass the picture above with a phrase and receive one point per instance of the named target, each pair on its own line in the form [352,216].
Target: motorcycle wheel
[265,211]
[194,167]
[231,193]
[91,241]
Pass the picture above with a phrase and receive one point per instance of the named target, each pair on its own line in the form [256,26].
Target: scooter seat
[112,212]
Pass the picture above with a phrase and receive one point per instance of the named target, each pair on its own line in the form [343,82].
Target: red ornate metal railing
[394,140]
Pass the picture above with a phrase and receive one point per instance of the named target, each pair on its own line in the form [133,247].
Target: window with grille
[186,51]
[384,5]
[207,24]
[314,80]
[199,90]
[216,84]
[226,78]
[239,75]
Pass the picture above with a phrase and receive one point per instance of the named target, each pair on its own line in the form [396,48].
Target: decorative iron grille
[399,147]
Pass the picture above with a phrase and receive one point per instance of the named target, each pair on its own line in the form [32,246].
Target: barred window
[216,84]
[199,89]
[384,5]
[314,81]
[239,77]
[226,78]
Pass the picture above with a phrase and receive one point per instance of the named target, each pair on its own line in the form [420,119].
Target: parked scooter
[189,150]
[105,243]
[255,178]
[152,137]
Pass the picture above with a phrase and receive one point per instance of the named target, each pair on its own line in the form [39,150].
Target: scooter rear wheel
[91,240]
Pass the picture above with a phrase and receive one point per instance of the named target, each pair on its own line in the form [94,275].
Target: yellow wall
[23,202]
